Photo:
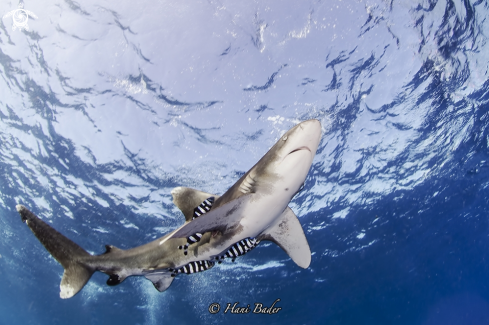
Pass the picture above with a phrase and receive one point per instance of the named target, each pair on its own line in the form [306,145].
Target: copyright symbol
[214,308]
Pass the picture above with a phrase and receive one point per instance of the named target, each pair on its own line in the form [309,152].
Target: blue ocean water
[107,106]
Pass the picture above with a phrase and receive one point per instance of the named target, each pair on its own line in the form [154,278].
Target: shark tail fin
[66,252]
[287,233]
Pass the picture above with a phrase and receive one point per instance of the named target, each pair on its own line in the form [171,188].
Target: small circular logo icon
[20,17]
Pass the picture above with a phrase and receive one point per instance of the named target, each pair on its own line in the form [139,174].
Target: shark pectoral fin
[226,218]
[74,278]
[287,233]
[187,199]
[161,281]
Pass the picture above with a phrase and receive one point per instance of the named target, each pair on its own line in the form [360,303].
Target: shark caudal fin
[287,233]
[66,252]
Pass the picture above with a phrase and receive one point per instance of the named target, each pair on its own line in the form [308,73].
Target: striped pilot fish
[192,267]
[198,211]
[240,248]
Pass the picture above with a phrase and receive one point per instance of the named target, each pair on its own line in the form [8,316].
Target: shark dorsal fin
[287,233]
[161,281]
[187,199]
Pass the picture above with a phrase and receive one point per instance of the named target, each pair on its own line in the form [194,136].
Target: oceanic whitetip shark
[254,209]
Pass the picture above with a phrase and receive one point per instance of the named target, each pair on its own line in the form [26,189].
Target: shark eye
[284,138]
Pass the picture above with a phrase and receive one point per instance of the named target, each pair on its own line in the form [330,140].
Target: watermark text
[236,308]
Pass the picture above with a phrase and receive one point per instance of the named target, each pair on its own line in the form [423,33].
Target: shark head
[256,206]
[291,157]
[283,168]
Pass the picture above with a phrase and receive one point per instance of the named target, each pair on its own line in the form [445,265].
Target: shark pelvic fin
[66,252]
[187,199]
[161,281]
[115,279]
[287,233]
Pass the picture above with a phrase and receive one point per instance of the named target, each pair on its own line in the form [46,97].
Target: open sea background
[105,106]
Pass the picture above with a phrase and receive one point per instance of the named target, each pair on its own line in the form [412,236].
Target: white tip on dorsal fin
[187,199]
[287,233]
[161,281]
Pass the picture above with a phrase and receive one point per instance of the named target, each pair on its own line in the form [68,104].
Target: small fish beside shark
[216,227]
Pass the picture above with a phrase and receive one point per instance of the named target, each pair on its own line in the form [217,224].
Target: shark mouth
[303,148]
[300,148]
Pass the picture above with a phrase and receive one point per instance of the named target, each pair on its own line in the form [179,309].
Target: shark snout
[306,136]
[299,148]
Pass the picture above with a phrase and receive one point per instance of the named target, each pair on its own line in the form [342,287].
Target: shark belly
[256,216]
[261,213]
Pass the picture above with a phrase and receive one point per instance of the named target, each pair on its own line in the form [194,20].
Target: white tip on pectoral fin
[287,233]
